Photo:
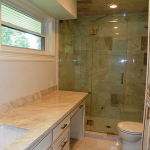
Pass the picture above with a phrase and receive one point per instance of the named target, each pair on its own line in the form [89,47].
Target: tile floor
[94,143]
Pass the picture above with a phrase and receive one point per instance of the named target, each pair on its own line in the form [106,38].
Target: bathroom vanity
[50,121]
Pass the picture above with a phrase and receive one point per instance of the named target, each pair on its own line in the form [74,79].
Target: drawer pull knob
[63,145]
[65,125]
[80,106]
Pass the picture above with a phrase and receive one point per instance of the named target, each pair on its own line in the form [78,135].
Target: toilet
[130,133]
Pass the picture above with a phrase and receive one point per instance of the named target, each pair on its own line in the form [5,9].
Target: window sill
[6,55]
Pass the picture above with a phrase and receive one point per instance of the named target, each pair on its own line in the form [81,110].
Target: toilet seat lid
[130,126]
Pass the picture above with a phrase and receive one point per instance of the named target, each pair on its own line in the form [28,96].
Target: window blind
[10,15]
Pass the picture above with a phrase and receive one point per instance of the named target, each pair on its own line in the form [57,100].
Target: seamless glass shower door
[117,72]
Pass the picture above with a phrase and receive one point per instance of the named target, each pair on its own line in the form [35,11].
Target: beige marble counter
[41,116]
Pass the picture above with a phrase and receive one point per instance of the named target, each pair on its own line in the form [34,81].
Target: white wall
[22,78]
[70,6]
[60,9]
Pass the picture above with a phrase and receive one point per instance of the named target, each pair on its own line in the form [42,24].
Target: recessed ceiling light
[112,6]
[113,21]
[115,27]
[116,33]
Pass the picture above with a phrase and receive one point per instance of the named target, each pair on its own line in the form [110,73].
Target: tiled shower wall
[109,64]
[66,56]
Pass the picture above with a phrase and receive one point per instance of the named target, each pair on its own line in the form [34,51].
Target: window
[21,30]
[27,32]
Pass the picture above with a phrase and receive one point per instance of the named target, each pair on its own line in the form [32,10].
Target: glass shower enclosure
[105,55]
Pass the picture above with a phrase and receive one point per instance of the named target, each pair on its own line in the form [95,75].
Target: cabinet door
[45,143]
[146,137]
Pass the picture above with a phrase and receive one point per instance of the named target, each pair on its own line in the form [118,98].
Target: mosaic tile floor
[94,144]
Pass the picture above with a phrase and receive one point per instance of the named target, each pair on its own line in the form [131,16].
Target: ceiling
[93,7]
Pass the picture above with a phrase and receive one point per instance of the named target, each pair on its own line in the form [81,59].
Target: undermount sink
[9,134]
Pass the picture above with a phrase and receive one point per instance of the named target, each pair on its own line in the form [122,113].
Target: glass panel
[67,56]
[14,37]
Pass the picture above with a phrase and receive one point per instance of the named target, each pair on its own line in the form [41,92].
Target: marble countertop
[41,116]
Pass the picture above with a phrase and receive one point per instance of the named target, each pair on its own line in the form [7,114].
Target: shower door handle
[122,76]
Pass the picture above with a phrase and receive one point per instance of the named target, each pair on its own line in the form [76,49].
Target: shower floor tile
[94,144]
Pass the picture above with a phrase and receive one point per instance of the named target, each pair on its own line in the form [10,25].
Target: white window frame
[24,54]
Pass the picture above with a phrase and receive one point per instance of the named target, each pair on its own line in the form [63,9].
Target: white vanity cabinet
[71,126]
[57,139]
[77,122]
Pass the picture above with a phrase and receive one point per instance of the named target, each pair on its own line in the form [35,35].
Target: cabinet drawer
[61,127]
[63,141]
[45,143]
[76,109]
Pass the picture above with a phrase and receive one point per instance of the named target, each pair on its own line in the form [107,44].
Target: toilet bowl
[130,133]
